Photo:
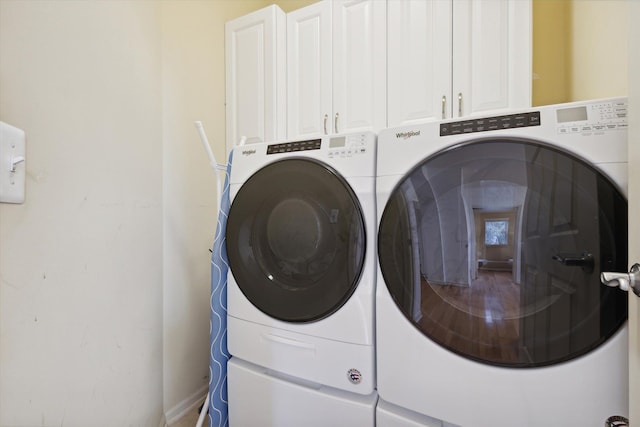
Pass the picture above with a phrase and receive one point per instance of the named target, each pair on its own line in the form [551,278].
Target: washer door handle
[584,260]
[624,281]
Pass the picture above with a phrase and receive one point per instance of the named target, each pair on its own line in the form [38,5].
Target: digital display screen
[574,114]
[337,142]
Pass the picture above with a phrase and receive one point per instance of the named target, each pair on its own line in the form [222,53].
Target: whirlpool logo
[407,135]
[248,152]
[354,376]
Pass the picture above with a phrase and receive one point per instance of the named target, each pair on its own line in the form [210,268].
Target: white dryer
[301,247]
[492,235]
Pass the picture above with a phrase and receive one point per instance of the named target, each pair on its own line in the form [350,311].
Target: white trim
[188,404]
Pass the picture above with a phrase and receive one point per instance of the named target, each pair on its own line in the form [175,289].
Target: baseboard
[191,403]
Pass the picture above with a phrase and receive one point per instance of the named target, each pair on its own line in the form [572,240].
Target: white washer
[301,249]
[492,235]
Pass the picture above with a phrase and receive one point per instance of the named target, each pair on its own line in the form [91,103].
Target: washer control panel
[289,147]
[593,118]
[334,146]
[348,145]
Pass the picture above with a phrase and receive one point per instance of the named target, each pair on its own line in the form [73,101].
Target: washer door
[296,240]
[494,249]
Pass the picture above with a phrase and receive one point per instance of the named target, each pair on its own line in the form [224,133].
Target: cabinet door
[419,61]
[256,77]
[309,83]
[359,66]
[491,55]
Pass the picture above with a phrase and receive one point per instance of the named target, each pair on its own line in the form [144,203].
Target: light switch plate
[13,165]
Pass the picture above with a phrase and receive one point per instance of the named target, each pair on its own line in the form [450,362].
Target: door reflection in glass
[493,250]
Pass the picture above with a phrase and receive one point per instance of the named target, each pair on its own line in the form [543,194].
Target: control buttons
[601,117]
[491,123]
[289,147]
[336,147]
[355,145]
[348,152]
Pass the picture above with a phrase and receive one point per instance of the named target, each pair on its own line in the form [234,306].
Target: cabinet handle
[460,104]
[335,124]
[326,117]
[444,107]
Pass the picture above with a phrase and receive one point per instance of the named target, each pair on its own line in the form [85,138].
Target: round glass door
[296,240]
[493,249]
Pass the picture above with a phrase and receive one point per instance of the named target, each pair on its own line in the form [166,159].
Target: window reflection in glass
[495,232]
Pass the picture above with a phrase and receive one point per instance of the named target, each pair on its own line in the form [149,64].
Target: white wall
[81,259]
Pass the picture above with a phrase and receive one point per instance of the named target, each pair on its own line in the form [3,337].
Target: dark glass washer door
[493,249]
[296,240]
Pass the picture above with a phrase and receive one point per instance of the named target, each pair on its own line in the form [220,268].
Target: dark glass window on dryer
[493,249]
[296,240]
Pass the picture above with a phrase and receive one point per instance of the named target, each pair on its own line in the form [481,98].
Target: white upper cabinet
[340,66]
[457,58]
[309,79]
[419,60]
[336,68]
[492,54]
[359,65]
[255,49]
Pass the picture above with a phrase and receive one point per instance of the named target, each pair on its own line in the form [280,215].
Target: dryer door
[493,249]
[296,240]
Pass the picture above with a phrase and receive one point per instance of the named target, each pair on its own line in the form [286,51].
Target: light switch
[13,165]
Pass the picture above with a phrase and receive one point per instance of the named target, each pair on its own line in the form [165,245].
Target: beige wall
[599,60]
[579,50]
[193,89]
[105,269]
[551,44]
[81,259]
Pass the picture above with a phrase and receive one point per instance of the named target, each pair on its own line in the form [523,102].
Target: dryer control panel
[593,118]
[485,124]
[581,118]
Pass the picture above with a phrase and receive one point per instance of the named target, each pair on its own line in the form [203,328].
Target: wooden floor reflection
[480,321]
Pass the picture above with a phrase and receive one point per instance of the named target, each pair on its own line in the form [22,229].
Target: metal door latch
[624,281]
